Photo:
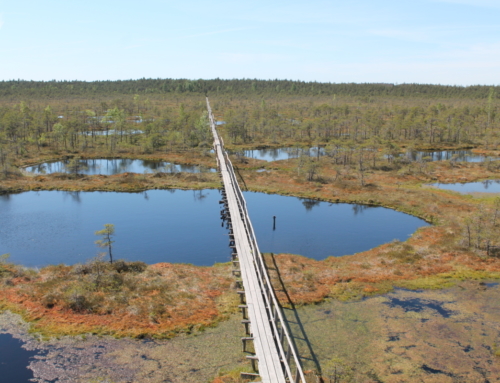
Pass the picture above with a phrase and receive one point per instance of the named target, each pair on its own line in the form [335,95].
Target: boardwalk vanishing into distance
[275,358]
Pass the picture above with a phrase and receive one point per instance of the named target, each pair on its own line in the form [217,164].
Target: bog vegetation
[120,298]
[363,132]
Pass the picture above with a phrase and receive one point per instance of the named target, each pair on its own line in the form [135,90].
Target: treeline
[24,90]
[160,124]
[80,129]
[431,125]
[114,121]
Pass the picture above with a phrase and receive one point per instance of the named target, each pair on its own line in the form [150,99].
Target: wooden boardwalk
[274,348]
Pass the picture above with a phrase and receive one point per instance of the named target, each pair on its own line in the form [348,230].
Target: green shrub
[403,252]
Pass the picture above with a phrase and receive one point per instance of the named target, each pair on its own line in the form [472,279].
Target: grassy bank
[434,257]
[120,299]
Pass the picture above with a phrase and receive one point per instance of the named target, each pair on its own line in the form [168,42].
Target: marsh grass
[122,299]
[432,258]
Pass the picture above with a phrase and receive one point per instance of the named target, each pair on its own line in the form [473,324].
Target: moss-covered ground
[433,258]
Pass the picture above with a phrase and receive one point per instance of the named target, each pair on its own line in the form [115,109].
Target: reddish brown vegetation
[197,299]
[163,300]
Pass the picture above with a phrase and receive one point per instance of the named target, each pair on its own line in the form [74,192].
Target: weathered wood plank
[259,307]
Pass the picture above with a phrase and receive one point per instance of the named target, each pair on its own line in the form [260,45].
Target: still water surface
[14,360]
[276,154]
[488,186]
[52,227]
[319,229]
[110,132]
[116,166]
[445,155]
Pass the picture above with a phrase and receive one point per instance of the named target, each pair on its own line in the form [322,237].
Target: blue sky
[453,42]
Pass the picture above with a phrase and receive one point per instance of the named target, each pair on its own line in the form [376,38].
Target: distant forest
[23,90]
[150,116]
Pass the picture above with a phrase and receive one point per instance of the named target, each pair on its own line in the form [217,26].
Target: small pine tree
[75,166]
[106,238]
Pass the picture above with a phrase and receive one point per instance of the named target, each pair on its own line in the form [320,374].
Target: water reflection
[488,186]
[319,229]
[444,155]
[276,154]
[74,195]
[183,226]
[117,166]
[359,209]
[52,227]
[111,132]
[309,203]
[199,195]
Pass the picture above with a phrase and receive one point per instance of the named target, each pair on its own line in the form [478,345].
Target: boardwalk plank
[270,365]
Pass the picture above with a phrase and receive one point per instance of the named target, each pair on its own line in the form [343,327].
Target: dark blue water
[14,360]
[51,227]
[116,166]
[491,284]
[419,305]
[489,186]
[320,229]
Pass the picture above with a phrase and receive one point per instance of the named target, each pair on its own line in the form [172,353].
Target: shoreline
[430,258]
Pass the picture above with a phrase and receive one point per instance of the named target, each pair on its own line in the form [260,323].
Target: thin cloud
[253,57]
[436,35]
[139,43]
[476,64]
[288,12]
[216,32]
[475,3]
[482,55]
[416,35]
[45,48]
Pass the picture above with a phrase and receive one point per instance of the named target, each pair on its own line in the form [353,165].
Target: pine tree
[107,238]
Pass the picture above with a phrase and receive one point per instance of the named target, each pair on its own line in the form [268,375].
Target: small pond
[183,226]
[488,186]
[276,154]
[110,132]
[445,155]
[116,166]
[52,227]
[14,360]
[319,229]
